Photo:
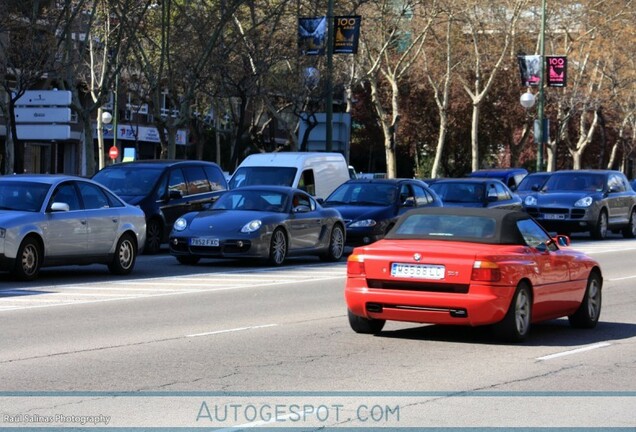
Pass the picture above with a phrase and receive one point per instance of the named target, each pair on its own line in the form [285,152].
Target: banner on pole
[557,71]
[312,35]
[347,33]
[530,70]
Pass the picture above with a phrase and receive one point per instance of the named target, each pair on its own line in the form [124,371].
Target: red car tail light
[355,265]
[487,271]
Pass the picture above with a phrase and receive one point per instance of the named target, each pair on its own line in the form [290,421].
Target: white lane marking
[575,351]
[65,301]
[231,330]
[621,278]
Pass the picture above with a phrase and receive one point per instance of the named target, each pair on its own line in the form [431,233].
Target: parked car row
[287,221]
[594,201]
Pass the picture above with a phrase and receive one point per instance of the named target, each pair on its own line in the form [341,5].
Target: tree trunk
[474,139]
[441,138]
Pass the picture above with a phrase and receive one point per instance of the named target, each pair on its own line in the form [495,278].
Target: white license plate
[552,216]
[419,271]
[204,241]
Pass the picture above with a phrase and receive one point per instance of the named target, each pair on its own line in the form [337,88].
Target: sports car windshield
[575,182]
[22,196]
[445,226]
[252,200]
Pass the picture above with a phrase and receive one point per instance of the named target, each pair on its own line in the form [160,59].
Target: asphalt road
[237,345]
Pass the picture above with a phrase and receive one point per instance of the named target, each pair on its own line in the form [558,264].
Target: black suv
[164,190]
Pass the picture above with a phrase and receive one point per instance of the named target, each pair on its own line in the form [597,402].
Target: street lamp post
[540,107]
[329,98]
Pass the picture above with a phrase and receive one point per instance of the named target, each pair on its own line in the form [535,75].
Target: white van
[317,173]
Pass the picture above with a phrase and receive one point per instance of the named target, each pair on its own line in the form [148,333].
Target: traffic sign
[45,132]
[42,115]
[113,152]
[45,98]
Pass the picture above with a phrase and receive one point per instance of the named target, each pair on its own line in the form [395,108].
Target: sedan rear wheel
[365,325]
[28,260]
[586,316]
[599,231]
[516,324]
[278,247]
[630,230]
[336,244]
[125,256]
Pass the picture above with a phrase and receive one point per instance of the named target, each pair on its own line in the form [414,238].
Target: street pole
[115,107]
[540,107]
[329,98]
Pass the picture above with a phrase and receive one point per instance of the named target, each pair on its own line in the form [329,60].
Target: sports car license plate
[419,271]
[552,216]
[204,241]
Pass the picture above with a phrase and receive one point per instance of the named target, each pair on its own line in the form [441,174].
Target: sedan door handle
[83,221]
[115,220]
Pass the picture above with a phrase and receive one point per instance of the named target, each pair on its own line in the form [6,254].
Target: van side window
[197,180]
[216,178]
[177,182]
[307,182]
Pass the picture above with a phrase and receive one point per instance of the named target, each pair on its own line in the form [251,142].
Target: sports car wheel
[125,256]
[599,231]
[278,248]
[364,325]
[28,260]
[154,234]
[189,260]
[630,230]
[336,244]
[589,311]
[516,324]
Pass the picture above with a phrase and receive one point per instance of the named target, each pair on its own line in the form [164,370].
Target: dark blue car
[370,207]
[511,177]
[476,192]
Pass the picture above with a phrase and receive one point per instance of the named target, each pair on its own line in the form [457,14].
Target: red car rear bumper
[483,304]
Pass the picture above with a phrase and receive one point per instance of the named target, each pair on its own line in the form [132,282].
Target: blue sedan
[371,207]
[476,192]
[264,222]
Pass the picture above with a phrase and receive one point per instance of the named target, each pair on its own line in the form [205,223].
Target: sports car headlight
[363,223]
[252,226]
[584,202]
[530,201]
[180,224]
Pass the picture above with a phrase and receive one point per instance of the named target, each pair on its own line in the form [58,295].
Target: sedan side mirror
[60,207]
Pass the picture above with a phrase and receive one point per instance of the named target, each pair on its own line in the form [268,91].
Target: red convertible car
[471,266]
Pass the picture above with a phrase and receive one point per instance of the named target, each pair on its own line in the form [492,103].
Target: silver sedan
[49,220]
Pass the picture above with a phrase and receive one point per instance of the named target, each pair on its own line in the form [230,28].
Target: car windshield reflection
[22,196]
[252,201]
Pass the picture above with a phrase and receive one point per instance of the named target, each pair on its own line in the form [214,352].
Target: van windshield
[249,176]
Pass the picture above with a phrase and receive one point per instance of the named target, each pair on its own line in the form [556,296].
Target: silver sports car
[48,220]
[268,222]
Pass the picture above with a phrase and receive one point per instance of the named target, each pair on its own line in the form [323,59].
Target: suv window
[615,182]
[177,182]
[197,180]
[216,178]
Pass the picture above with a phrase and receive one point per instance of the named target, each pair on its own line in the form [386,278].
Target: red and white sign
[113,152]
